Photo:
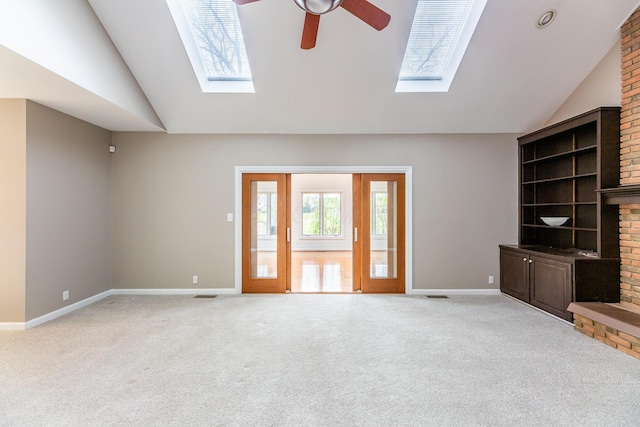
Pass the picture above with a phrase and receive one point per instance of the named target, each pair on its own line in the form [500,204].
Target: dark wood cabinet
[563,167]
[551,285]
[514,274]
[551,278]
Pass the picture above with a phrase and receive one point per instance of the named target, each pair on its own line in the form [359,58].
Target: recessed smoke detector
[546,18]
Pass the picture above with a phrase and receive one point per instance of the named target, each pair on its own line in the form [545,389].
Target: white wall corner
[58,34]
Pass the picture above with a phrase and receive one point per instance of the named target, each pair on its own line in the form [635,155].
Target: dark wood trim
[568,124]
[623,195]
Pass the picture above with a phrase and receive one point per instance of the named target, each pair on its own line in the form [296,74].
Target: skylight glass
[439,36]
[211,33]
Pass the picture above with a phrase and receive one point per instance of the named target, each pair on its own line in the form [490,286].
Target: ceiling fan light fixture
[547,18]
[318,7]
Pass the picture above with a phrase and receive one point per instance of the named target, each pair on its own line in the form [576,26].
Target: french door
[264,233]
[378,233]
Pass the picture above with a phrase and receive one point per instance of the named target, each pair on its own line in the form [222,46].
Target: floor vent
[437,296]
[205,296]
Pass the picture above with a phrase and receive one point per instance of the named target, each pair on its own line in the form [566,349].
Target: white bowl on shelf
[554,221]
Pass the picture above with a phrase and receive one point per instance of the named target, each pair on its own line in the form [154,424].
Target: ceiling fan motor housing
[318,7]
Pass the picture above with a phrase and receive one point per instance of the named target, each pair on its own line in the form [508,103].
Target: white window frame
[193,52]
[443,85]
[321,235]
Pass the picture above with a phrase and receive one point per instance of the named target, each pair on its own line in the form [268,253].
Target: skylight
[439,37]
[211,33]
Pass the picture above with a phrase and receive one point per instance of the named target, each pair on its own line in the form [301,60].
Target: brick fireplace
[630,161]
[619,326]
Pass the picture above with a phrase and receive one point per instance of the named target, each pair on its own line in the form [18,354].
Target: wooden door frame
[396,191]
[280,281]
[406,170]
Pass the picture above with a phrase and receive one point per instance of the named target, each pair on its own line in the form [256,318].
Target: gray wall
[601,88]
[68,210]
[171,194]
[13,206]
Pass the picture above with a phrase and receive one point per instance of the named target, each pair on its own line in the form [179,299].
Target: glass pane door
[383,259]
[263,229]
[383,232]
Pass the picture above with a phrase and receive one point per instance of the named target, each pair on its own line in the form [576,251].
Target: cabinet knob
[530,261]
[524,259]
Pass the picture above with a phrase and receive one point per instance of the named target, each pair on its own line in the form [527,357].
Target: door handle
[288,234]
[355,234]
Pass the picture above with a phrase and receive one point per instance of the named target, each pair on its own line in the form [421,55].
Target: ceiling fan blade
[310,31]
[367,12]
[244,1]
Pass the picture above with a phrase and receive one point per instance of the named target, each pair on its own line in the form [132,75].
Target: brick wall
[630,254]
[630,159]
[608,335]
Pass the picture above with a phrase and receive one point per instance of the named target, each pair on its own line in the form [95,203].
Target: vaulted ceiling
[122,65]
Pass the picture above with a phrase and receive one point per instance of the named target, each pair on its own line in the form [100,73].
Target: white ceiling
[512,78]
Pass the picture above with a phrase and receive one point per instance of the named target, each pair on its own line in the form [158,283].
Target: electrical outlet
[195,280]
[491,280]
[65,295]
[229,217]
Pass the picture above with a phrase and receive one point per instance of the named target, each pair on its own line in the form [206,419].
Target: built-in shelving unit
[565,170]
[561,169]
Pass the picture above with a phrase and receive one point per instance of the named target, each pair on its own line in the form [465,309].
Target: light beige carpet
[312,360]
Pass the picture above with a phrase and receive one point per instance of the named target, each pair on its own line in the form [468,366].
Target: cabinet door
[550,283]
[513,274]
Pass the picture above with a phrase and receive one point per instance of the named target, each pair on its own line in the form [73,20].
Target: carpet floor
[312,360]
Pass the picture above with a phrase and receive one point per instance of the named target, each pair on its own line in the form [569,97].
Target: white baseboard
[66,310]
[191,291]
[12,326]
[452,292]
[21,326]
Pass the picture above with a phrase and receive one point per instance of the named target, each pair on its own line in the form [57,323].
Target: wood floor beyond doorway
[322,271]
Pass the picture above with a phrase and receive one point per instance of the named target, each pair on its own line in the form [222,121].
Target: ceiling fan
[362,9]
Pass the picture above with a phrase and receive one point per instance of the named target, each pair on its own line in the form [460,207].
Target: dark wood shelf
[562,178]
[559,227]
[538,205]
[561,155]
